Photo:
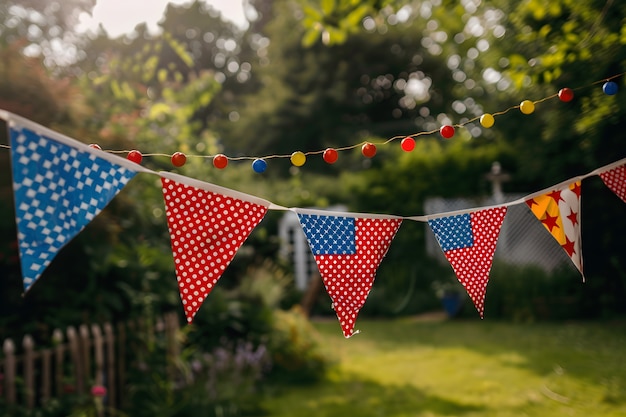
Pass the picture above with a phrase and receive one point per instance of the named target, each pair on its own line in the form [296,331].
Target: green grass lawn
[410,367]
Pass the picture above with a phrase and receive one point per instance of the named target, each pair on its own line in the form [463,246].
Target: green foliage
[242,310]
[318,97]
[332,21]
[239,338]
[531,294]
[220,382]
[296,349]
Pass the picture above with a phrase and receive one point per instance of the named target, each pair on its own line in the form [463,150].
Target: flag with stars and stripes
[207,225]
[348,250]
[559,212]
[59,186]
[615,179]
[468,241]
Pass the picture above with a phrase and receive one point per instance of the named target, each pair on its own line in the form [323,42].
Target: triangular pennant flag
[615,179]
[559,212]
[348,251]
[469,241]
[60,185]
[207,225]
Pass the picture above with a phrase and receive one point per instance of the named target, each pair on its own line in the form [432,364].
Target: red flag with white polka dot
[207,225]
[348,250]
[469,241]
[615,179]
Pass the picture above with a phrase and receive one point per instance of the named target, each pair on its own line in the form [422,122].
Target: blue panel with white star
[453,232]
[329,235]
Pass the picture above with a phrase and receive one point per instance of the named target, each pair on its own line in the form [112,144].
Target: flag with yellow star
[559,212]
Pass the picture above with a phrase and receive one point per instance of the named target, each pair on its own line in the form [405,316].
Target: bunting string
[368,148]
[60,184]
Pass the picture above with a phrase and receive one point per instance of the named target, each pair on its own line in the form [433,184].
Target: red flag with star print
[468,241]
[207,225]
[348,249]
[615,179]
[559,212]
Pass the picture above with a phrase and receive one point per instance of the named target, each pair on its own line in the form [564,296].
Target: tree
[378,83]
[44,28]
[578,45]
[533,50]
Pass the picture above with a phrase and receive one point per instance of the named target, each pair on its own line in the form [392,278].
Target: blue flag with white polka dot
[58,190]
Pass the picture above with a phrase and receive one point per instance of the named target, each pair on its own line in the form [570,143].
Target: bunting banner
[615,179]
[59,185]
[559,212]
[468,241]
[207,225]
[348,248]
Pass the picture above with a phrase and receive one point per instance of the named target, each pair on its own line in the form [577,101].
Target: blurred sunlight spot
[459,107]
[443,119]
[482,45]
[404,13]
[454,61]
[418,88]
[469,5]
[230,45]
[503,84]
[491,76]
[439,36]
[474,27]
[435,49]
[470,84]
[220,77]
[369,24]
[499,31]
[459,76]
[232,66]
[472,53]
[399,84]
[32,50]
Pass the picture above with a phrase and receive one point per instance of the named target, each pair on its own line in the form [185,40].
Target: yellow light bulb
[527,107]
[487,120]
[298,158]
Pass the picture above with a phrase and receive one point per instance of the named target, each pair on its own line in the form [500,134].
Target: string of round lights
[368,149]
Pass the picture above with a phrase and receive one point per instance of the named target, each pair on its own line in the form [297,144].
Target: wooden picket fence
[78,359]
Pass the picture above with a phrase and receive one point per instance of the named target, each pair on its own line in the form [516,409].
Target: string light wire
[355,146]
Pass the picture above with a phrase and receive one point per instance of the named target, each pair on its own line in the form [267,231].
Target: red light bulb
[330,156]
[368,150]
[135,156]
[179,159]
